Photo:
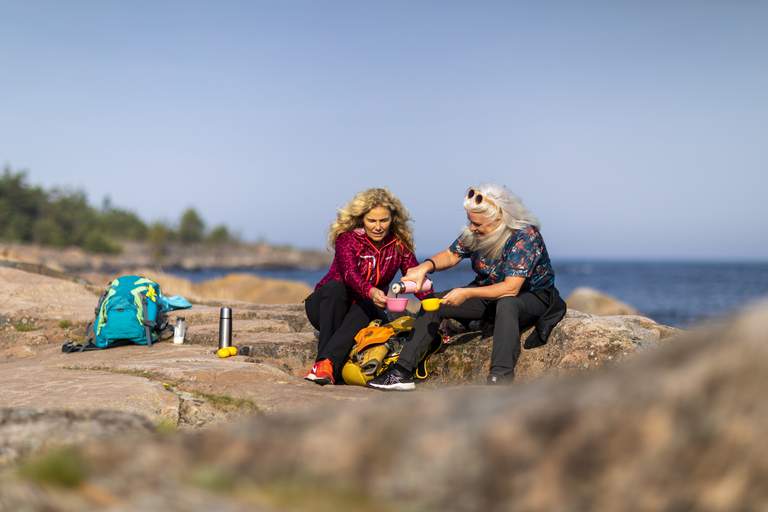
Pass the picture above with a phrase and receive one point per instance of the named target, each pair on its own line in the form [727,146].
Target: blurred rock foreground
[676,427]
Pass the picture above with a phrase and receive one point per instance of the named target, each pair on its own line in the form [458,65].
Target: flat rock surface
[26,294]
[605,390]
[676,428]
[46,386]
[188,385]
[143,380]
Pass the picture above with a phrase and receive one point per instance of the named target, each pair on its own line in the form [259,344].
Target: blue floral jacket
[524,255]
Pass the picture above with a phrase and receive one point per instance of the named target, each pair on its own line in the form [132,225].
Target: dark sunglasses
[478,198]
[477,195]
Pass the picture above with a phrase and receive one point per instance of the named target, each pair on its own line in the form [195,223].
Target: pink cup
[397,304]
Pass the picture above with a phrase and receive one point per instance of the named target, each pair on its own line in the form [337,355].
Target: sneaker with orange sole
[321,372]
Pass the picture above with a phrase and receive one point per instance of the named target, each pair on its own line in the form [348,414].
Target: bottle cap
[225,313]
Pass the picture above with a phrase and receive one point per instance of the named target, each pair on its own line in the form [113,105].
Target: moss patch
[296,496]
[61,467]
[212,478]
[226,402]
[25,326]
[166,427]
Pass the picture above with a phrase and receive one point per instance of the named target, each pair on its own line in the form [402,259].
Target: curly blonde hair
[350,216]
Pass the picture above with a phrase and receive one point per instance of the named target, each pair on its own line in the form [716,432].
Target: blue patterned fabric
[524,255]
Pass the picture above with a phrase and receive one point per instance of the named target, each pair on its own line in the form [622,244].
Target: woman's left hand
[378,297]
[456,297]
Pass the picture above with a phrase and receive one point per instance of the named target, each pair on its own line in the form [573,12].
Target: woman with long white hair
[514,286]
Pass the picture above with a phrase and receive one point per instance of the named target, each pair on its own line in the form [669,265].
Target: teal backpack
[128,310]
[132,310]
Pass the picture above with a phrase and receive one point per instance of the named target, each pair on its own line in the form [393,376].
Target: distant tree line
[63,218]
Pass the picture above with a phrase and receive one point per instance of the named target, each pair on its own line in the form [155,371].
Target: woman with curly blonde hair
[372,240]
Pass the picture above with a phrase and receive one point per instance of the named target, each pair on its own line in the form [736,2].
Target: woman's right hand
[378,297]
[418,274]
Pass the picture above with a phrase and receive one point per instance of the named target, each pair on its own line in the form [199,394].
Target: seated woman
[514,286]
[372,241]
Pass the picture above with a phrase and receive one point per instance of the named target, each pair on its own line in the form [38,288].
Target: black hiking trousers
[510,315]
[332,311]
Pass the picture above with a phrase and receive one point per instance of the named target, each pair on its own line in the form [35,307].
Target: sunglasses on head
[478,197]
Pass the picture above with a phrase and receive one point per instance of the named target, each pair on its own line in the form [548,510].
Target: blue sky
[634,130]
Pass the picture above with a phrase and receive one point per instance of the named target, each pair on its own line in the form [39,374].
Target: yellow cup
[431,304]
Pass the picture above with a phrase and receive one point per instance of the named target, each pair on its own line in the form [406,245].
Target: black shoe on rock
[500,380]
[395,378]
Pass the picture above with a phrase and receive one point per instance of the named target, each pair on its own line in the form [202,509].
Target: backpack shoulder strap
[70,347]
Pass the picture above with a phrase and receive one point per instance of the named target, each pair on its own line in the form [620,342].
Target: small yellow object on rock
[232,351]
[223,352]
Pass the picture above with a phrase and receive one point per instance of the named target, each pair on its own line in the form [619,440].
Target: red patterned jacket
[360,265]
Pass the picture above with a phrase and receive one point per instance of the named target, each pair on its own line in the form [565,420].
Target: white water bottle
[179,331]
[410,287]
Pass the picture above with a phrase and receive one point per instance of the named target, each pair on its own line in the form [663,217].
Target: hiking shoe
[396,378]
[500,380]
[321,372]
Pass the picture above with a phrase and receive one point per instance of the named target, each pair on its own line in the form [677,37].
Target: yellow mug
[431,304]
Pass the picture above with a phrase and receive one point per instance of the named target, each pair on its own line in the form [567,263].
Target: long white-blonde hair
[497,202]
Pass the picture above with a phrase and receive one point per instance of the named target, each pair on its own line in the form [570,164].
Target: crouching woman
[372,241]
[514,286]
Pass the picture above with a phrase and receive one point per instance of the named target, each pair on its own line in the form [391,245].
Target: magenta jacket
[360,265]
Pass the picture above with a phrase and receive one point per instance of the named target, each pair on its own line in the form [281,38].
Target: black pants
[332,311]
[509,316]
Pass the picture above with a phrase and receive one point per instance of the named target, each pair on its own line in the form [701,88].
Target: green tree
[219,235]
[122,224]
[95,241]
[159,237]
[46,231]
[20,206]
[191,227]
[62,217]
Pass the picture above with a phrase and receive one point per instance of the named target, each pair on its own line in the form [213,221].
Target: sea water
[672,293]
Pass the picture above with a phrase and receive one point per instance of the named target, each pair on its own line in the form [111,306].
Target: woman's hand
[418,274]
[378,297]
[457,296]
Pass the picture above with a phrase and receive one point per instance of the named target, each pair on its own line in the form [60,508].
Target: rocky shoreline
[233,257]
[613,406]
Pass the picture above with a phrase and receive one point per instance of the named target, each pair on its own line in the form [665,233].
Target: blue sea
[672,293]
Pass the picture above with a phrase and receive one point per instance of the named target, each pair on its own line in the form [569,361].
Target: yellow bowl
[431,304]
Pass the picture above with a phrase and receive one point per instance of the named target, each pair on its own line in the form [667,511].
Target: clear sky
[632,129]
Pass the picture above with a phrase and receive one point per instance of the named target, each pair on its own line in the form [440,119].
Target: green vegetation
[212,478]
[61,218]
[227,403]
[65,324]
[61,467]
[166,427]
[25,325]
[298,494]
[191,227]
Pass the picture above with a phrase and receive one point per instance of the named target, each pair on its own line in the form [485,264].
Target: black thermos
[225,327]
